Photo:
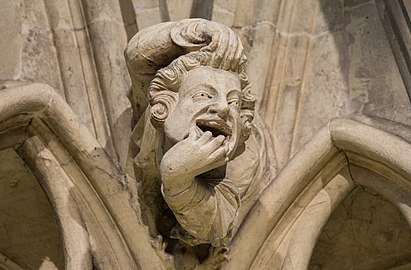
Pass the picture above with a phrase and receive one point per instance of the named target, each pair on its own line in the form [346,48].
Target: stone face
[169,159]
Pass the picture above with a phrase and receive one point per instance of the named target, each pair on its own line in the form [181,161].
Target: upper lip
[216,126]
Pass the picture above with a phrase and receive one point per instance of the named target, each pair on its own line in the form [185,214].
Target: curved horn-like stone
[343,142]
[97,182]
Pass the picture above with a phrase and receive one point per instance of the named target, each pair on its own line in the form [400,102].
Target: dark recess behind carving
[202,9]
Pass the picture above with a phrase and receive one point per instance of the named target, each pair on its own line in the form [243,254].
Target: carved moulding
[95,210]
[282,228]
[88,193]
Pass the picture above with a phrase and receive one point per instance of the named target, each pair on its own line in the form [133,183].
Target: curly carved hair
[163,89]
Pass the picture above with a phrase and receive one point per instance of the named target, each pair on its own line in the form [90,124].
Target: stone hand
[156,46]
[193,34]
[191,157]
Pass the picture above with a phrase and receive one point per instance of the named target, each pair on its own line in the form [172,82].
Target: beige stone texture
[363,217]
[29,233]
[99,169]
[224,11]
[147,13]
[179,9]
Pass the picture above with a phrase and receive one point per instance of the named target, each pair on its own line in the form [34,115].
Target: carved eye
[202,95]
[234,102]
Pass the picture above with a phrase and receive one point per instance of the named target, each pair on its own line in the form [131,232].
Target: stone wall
[308,61]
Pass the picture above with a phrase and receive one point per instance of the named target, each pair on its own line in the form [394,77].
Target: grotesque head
[189,95]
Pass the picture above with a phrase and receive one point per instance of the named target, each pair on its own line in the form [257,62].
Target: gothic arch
[85,187]
[310,187]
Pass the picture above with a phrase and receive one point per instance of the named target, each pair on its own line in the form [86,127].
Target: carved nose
[221,109]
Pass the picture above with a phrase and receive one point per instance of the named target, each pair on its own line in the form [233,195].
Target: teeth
[214,126]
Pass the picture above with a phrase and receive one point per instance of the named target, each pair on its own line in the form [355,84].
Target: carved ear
[246,117]
[161,105]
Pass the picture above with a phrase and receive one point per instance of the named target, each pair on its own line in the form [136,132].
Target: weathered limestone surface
[80,190]
[363,217]
[62,44]
[373,72]
[29,233]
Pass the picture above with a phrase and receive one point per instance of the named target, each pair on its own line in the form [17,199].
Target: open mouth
[216,127]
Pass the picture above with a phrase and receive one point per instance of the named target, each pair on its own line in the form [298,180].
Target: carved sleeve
[206,212]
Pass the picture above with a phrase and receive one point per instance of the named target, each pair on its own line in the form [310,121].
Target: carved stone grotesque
[193,150]
[208,117]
